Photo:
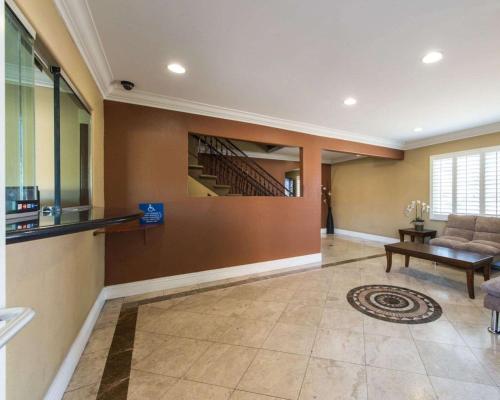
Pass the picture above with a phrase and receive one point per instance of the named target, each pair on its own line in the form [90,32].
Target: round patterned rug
[394,304]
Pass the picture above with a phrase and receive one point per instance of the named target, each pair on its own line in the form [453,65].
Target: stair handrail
[230,162]
[279,189]
[257,186]
[277,183]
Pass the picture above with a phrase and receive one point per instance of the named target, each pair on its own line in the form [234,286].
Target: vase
[329,222]
[419,225]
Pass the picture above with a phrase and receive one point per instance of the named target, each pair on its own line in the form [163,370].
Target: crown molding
[193,107]
[452,136]
[81,25]
[78,18]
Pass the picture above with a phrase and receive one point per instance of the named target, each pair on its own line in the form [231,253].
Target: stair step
[195,170]
[221,190]
[204,176]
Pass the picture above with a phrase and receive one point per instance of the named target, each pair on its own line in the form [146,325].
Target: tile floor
[296,337]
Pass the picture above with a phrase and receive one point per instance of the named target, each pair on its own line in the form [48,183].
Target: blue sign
[153,213]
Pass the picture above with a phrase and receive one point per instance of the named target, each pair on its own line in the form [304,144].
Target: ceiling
[287,153]
[291,63]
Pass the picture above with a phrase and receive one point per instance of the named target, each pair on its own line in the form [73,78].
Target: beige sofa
[472,233]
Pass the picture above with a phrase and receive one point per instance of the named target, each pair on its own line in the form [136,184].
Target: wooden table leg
[401,237]
[412,238]
[487,271]
[470,282]
[388,254]
[407,261]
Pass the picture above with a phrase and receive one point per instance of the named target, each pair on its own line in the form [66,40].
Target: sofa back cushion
[487,228]
[461,226]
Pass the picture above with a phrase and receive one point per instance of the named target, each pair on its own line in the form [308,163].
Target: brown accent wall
[146,160]
[277,168]
[326,180]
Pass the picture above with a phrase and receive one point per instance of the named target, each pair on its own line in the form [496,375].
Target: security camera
[127,85]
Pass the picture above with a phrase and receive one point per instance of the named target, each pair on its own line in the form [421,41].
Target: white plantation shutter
[442,186]
[467,184]
[492,183]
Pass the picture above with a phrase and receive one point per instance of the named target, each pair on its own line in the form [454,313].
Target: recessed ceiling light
[350,101]
[418,129]
[432,57]
[176,68]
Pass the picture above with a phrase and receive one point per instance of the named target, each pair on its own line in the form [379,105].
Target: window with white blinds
[466,183]
[492,183]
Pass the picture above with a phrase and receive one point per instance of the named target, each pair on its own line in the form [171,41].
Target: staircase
[222,167]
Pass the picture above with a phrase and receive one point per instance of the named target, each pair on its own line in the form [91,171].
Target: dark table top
[438,252]
[414,231]
[43,226]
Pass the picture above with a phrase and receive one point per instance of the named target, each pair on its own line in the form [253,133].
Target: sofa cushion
[482,248]
[460,225]
[452,242]
[487,228]
[487,243]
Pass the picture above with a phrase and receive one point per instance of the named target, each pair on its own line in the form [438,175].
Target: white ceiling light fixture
[432,57]
[176,68]
[350,101]
[418,129]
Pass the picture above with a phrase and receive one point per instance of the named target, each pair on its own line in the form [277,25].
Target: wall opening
[228,167]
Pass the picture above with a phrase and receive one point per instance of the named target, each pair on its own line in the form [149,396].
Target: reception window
[47,128]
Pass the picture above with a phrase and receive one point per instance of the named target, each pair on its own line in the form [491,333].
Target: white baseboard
[171,282]
[366,236]
[61,381]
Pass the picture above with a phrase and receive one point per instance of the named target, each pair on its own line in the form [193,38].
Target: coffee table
[457,258]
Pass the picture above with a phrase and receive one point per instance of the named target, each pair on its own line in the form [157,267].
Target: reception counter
[71,221]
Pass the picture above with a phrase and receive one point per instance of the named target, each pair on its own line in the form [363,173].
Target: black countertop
[67,222]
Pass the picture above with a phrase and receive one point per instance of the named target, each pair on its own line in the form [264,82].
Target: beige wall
[369,195]
[59,277]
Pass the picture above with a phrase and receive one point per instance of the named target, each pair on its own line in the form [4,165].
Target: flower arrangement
[326,197]
[417,210]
